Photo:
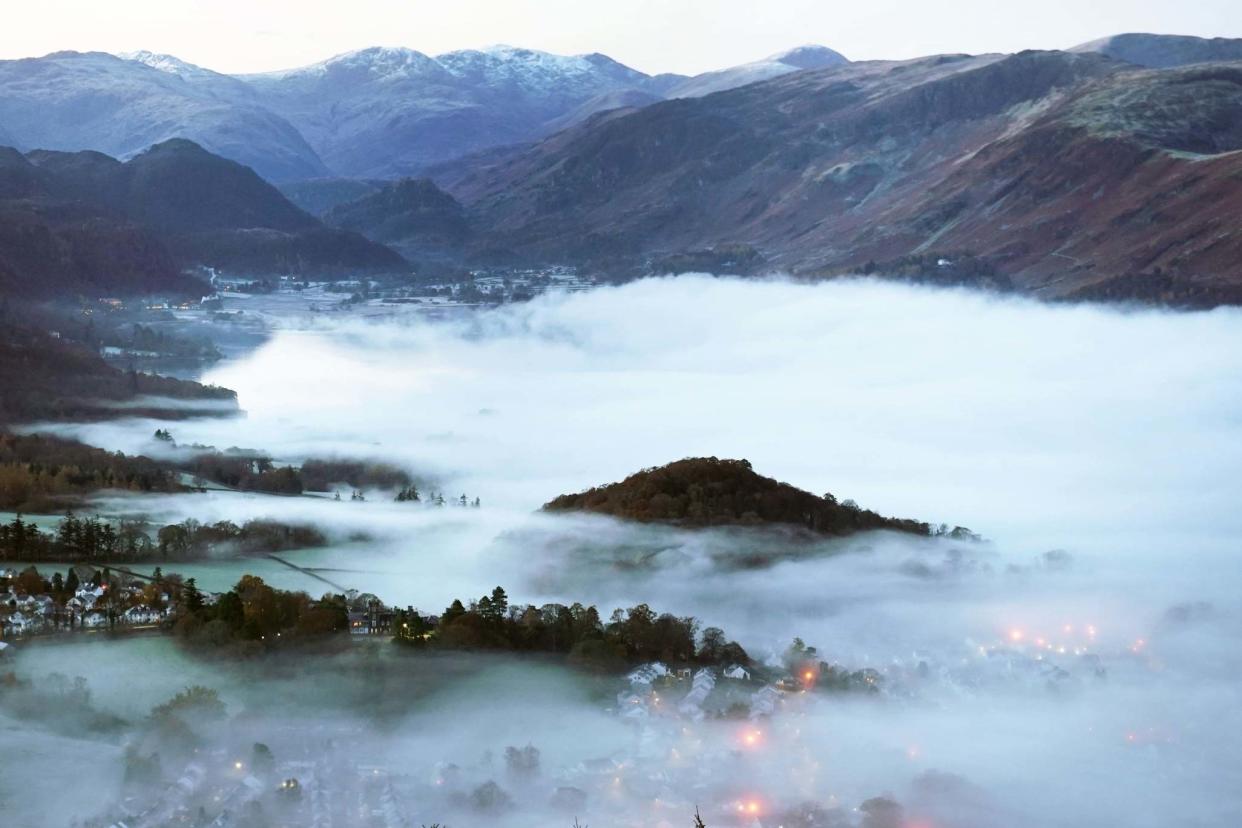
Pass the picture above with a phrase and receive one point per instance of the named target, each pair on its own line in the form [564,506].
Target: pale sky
[687,36]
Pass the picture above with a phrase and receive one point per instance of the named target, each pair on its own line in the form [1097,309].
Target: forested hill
[706,491]
[44,377]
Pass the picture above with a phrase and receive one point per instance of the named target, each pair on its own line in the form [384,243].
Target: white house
[19,623]
[647,674]
[737,672]
[143,615]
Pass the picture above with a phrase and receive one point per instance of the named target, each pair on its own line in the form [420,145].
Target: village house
[20,623]
[142,614]
[691,706]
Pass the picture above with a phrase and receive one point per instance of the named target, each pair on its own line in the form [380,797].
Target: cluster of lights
[1017,636]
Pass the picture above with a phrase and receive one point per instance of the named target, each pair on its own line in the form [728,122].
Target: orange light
[809,675]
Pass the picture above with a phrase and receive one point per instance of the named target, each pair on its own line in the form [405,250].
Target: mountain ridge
[949,165]
[87,222]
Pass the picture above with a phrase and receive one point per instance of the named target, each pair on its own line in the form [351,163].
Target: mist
[1076,666]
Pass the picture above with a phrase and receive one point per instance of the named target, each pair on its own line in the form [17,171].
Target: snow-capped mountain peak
[169,64]
[810,56]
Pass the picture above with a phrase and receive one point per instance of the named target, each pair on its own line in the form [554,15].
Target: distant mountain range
[377,112]
[1107,171]
[87,223]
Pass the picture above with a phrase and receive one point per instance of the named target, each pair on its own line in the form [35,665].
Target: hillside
[1063,175]
[1156,51]
[706,491]
[46,378]
[86,223]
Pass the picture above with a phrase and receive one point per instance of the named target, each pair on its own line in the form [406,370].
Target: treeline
[629,637]
[40,473]
[190,540]
[245,471]
[92,540]
[250,470]
[706,491]
[318,475]
[253,616]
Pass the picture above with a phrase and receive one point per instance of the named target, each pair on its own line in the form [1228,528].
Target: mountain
[374,113]
[1165,51]
[382,112]
[1060,174]
[92,101]
[87,223]
[795,60]
[706,491]
[412,214]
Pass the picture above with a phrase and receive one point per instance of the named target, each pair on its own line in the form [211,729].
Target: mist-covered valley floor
[1077,666]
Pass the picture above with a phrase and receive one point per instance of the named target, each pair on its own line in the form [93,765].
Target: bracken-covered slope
[1063,174]
[706,491]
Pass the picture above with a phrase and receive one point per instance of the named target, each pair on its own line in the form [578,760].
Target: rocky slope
[1062,174]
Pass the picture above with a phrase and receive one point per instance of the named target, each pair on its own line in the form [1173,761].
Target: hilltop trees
[707,491]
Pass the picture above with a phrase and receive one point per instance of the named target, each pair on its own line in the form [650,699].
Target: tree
[191,597]
[195,704]
[261,760]
[713,642]
[500,601]
[71,582]
[523,763]
[455,611]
